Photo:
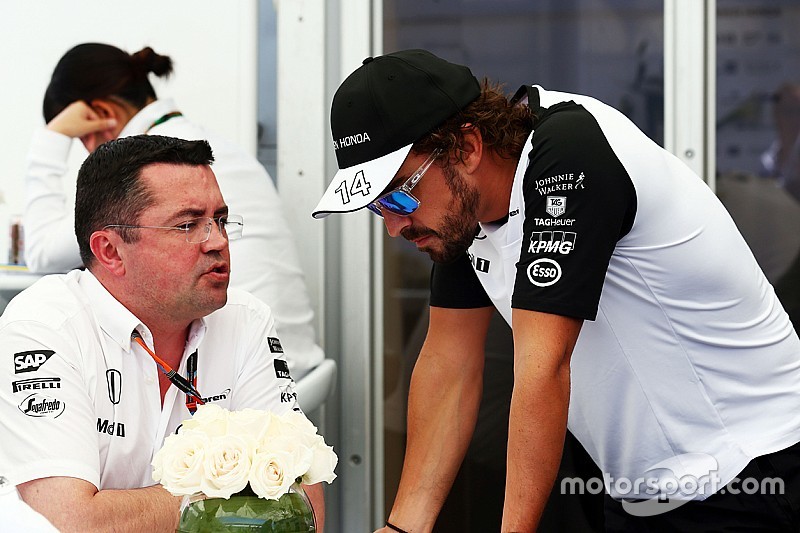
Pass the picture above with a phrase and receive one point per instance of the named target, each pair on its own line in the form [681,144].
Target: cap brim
[355,187]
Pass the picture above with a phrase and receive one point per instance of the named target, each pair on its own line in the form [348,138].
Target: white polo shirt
[79,399]
[686,364]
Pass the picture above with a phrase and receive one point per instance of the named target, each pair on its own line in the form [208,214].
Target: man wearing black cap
[641,320]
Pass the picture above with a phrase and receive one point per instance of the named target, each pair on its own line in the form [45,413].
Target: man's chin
[448,255]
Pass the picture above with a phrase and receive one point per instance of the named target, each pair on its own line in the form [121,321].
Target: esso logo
[544,272]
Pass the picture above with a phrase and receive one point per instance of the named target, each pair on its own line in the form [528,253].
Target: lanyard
[191,377]
[189,386]
[163,119]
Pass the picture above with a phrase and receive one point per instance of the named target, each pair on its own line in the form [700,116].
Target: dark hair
[95,70]
[109,190]
[504,125]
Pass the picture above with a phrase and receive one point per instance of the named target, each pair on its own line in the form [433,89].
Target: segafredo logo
[544,272]
[39,405]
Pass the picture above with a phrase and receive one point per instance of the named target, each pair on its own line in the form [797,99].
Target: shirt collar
[118,322]
[142,120]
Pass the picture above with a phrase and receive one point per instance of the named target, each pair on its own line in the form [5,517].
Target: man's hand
[78,120]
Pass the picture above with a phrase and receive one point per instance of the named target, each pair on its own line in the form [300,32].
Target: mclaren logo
[114,380]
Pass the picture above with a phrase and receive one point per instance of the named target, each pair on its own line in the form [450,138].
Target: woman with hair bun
[98,93]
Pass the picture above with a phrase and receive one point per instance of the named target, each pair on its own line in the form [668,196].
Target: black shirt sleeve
[579,201]
[455,285]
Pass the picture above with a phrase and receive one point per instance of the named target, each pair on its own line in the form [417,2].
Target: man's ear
[105,245]
[472,148]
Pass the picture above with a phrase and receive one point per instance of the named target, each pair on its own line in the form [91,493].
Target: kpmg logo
[114,381]
[35,384]
[39,405]
[31,361]
[561,242]
[288,395]
[556,205]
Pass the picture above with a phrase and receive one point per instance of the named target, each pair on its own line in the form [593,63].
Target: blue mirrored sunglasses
[400,201]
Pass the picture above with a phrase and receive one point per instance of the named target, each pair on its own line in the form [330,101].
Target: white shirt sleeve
[263,380]
[47,415]
[18,516]
[49,219]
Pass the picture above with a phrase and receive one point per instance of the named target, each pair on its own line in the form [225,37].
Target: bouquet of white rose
[218,453]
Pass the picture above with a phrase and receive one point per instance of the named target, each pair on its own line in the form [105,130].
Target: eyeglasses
[198,230]
[400,201]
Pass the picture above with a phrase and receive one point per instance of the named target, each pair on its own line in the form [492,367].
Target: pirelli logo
[558,242]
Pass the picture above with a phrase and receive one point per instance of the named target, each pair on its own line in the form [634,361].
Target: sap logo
[288,395]
[556,205]
[282,369]
[31,361]
[561,242]
[39,406]
[218,397]
[36,384]
[111,428]
[544,272]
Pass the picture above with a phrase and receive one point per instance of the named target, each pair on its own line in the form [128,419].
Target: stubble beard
[457,230]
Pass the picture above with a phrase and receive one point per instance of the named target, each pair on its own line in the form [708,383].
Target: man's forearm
[443,407]
[316,496]
[135,510]
[537,426]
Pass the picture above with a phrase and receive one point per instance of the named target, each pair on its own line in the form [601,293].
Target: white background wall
[212,45]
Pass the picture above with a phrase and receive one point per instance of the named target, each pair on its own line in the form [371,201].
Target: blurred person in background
[98,93]
[782,161]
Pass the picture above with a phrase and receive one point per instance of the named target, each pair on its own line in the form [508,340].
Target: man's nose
[394,223]
[217,238]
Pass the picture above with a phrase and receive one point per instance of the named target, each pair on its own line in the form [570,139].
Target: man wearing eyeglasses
[641,320]
[102,364]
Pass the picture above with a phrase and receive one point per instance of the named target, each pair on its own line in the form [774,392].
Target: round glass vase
[245,511]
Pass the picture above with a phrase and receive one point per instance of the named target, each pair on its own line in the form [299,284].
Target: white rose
[209,418]
[298,431]
[323,463]
[272,473]
[300,422]
[250,422]
[227,466]
[178,465]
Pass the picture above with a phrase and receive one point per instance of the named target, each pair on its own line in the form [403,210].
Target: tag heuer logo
[282,369]
[556,205]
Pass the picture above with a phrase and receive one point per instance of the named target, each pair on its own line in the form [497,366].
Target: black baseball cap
[379,112]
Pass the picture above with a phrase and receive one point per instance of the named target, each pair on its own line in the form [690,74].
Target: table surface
[14,278]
